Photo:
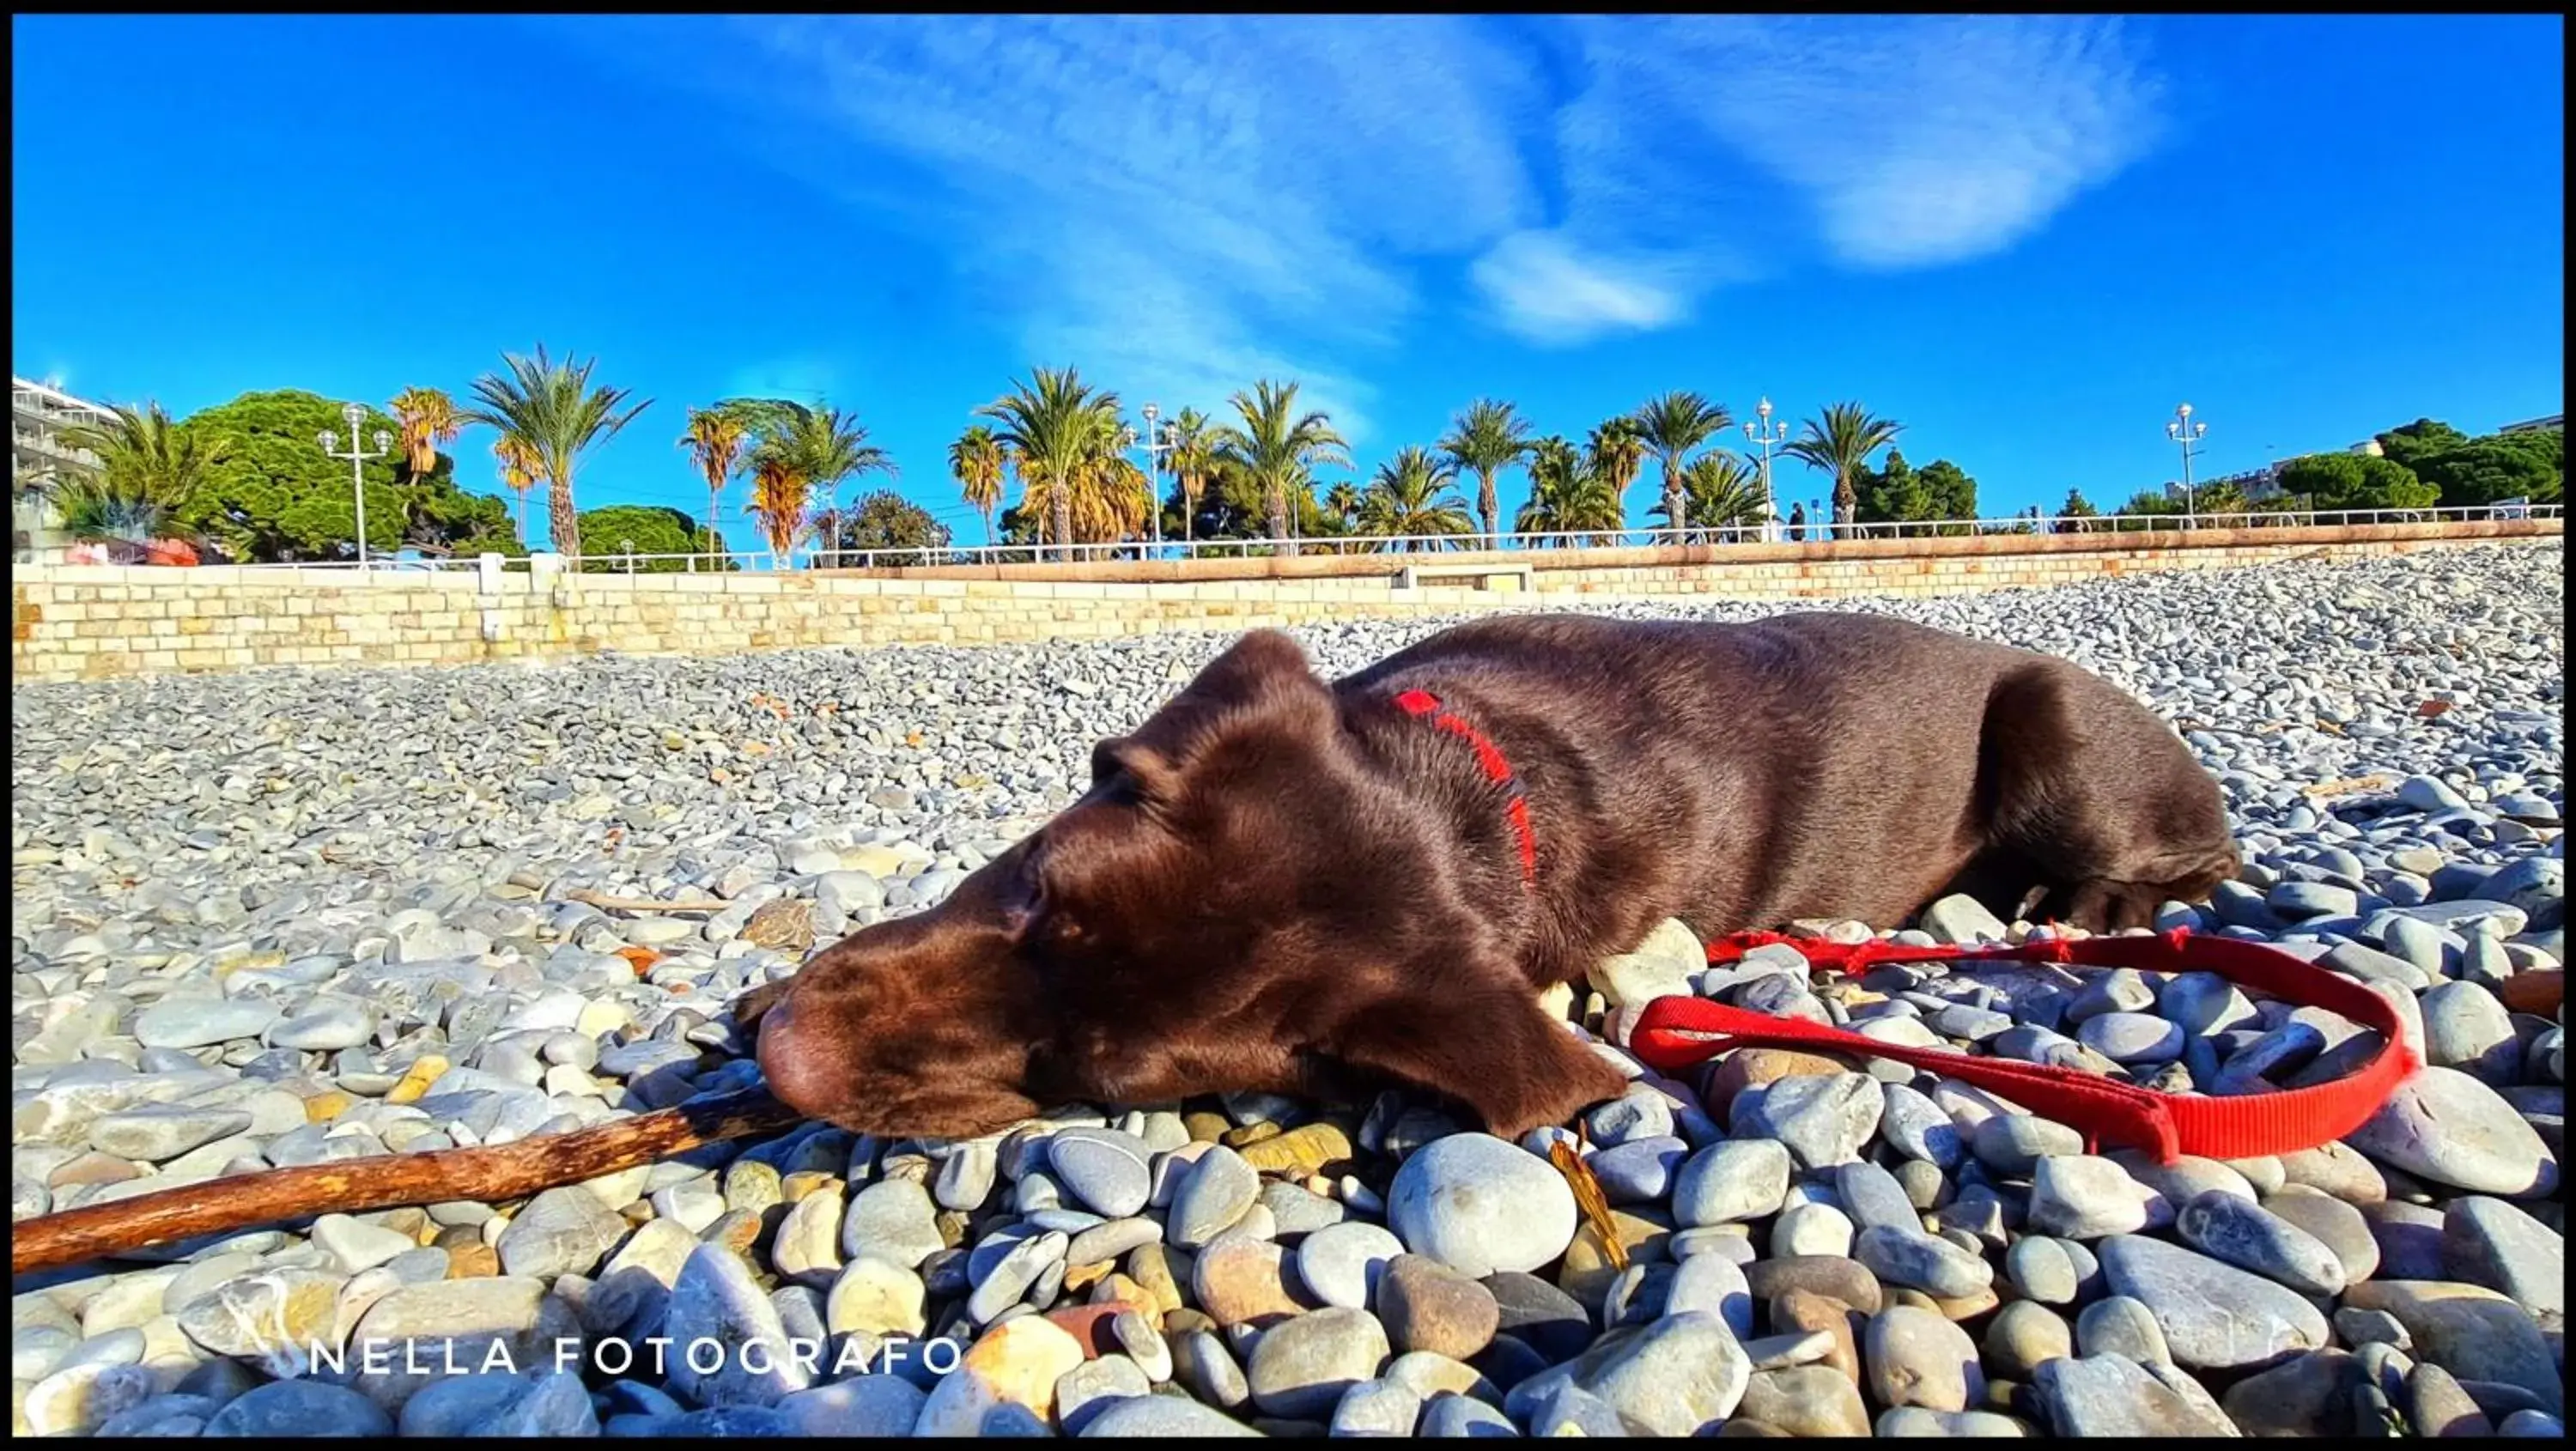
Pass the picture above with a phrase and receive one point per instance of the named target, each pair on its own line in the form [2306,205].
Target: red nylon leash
[1677,1032]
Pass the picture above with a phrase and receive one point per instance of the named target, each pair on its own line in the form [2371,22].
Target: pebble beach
[292,917]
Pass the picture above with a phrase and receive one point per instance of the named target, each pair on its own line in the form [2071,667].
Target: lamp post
[356,416]
[1767,434]
[1158,441]
[2189,434]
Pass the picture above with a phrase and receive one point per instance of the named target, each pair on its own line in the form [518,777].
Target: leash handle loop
[1677,1032]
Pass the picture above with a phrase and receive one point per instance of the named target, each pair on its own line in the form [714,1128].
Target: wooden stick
[2538,992]
[488,1175]
[641,904]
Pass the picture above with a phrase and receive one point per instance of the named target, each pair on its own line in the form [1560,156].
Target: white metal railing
[1327,545]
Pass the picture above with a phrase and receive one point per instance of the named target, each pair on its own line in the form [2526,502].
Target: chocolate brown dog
[1279,883]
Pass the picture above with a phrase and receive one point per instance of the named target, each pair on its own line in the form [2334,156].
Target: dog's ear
[1262,665]
[1129,763]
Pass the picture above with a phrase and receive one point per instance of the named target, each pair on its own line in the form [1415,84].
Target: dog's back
[1833,764]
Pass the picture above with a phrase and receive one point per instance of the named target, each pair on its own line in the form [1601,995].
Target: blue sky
[2027,238]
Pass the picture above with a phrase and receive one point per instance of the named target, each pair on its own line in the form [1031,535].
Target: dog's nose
[786,1061]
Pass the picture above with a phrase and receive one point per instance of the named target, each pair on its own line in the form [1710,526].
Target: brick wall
[95,622]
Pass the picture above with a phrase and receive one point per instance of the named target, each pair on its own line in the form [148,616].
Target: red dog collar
[1496,768]
[1675,1032]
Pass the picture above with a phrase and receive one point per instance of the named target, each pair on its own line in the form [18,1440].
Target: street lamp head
[2185,410]
[1763,408]
[327,439]
[1152,413]
[2200,430]
[384,440]
[2173,430]
[354,412]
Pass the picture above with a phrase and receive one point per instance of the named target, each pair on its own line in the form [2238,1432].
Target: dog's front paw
[1553,1096]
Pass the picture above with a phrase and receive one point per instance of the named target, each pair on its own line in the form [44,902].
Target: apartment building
[38,415]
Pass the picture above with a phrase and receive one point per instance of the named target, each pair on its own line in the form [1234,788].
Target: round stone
[2446,1126]
[1922,1262]
[1426,1305]
[1918,1128]
[286,1408]
[1478,1204]
[1163,1416]
[1377,1408]
[1822,1121]
[2013,1144]
[196,1022]
[1917,1358]
[1016,1364]
[2120,1326]
[1214,1193]
[1713,1285]
[1340,1264]
[893,1220]
[2228,1228]
[878,1297]
[2079,1196]
[1732,1181]
[1301,1367]
[2022,1337]
[1240,1280]
[1812,1229]
[1108,1171]
[2213,1315]
[2041,1270]
[1674,1377]
[1640,1171]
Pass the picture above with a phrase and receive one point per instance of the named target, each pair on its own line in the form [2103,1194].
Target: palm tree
[1486,439]
[1058,429]
[1672,426]
[1193,462]
[146,469]
[1617,452]
[1343,500]
[1277,448]
[1408,497]
[428,418]
[976,461]
[519,471]
[1719,491]
[1840,442]
[778,499]
[1115,500]
[1566,495]
[1105,500]
[715,440]
[551,407]
[812,449]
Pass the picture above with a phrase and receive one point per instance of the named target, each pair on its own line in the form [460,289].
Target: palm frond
[551,407]
[1408,497]
[428,418]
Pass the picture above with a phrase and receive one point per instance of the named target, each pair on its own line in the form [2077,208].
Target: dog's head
[1165,934]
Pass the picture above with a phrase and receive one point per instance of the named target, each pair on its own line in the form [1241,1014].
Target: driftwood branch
[499,1172]
[2539,992]
[641,904]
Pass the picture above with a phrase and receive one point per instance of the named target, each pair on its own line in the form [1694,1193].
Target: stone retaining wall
[73,622]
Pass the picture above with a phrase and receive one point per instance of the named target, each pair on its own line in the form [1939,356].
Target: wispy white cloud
[1915,140]
[1183,204]
[1548,290]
